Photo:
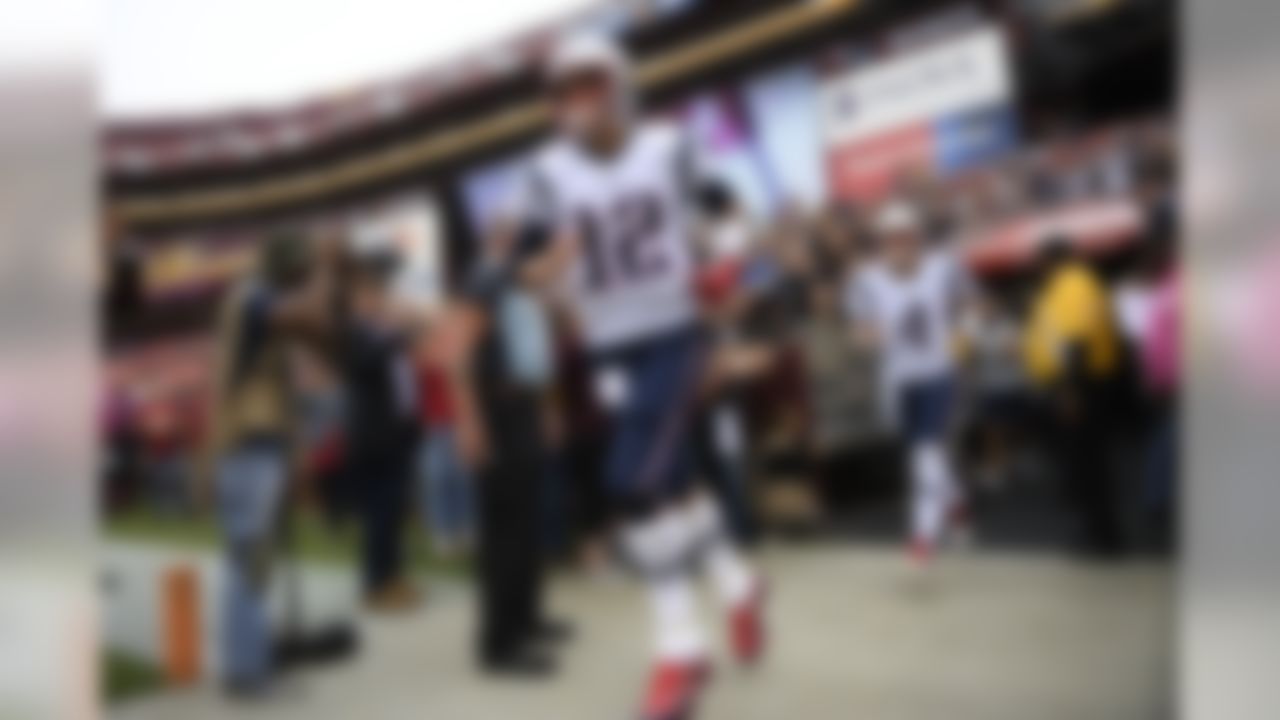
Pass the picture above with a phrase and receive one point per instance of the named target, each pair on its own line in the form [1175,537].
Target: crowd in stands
[803,433]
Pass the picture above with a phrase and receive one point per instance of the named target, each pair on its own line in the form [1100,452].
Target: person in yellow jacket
[1070,314]
[1072,350]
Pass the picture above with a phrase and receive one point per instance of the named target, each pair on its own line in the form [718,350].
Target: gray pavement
[1017,636]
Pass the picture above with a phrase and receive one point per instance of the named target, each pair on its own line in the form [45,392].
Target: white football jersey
[916,316]
[633,278]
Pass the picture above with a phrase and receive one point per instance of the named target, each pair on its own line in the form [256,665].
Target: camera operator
[278,306]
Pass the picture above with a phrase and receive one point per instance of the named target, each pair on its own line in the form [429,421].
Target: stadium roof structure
[178,172]
[191,169]
[254,124]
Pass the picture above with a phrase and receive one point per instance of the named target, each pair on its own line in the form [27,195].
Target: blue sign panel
[974,138]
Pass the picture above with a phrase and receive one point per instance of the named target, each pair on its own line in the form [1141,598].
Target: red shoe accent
[746,627]
[673,690]
[921,553]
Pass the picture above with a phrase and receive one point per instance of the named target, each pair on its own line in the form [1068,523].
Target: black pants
[385,494]
[725,476]
[590,506]
[510,493]
[1084,449]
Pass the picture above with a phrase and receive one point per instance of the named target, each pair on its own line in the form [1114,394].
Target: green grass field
[313,539]
[124,677]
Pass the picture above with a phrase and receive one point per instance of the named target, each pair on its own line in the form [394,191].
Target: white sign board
[951,76]
[410,225]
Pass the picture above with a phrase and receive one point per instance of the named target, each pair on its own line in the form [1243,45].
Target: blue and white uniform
[915,316]
[631,289]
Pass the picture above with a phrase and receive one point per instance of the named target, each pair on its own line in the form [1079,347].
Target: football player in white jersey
[908,303]
[617,197]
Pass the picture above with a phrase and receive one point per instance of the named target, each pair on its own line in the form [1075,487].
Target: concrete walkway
[989,637]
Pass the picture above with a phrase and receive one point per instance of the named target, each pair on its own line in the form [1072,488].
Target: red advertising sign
[867,169]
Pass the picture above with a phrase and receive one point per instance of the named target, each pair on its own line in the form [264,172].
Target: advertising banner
[187,267]
[943,108]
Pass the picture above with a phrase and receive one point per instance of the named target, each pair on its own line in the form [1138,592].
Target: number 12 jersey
[632,214]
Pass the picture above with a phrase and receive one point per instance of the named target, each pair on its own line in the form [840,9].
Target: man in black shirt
[500,437]
[382,428]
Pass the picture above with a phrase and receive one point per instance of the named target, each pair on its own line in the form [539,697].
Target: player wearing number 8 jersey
[617,197]
[908,304]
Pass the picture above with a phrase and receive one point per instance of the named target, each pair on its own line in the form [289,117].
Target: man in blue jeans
[446,483]
[280,303]
[251,480]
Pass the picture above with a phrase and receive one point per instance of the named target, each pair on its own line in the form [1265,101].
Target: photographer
[280,305]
